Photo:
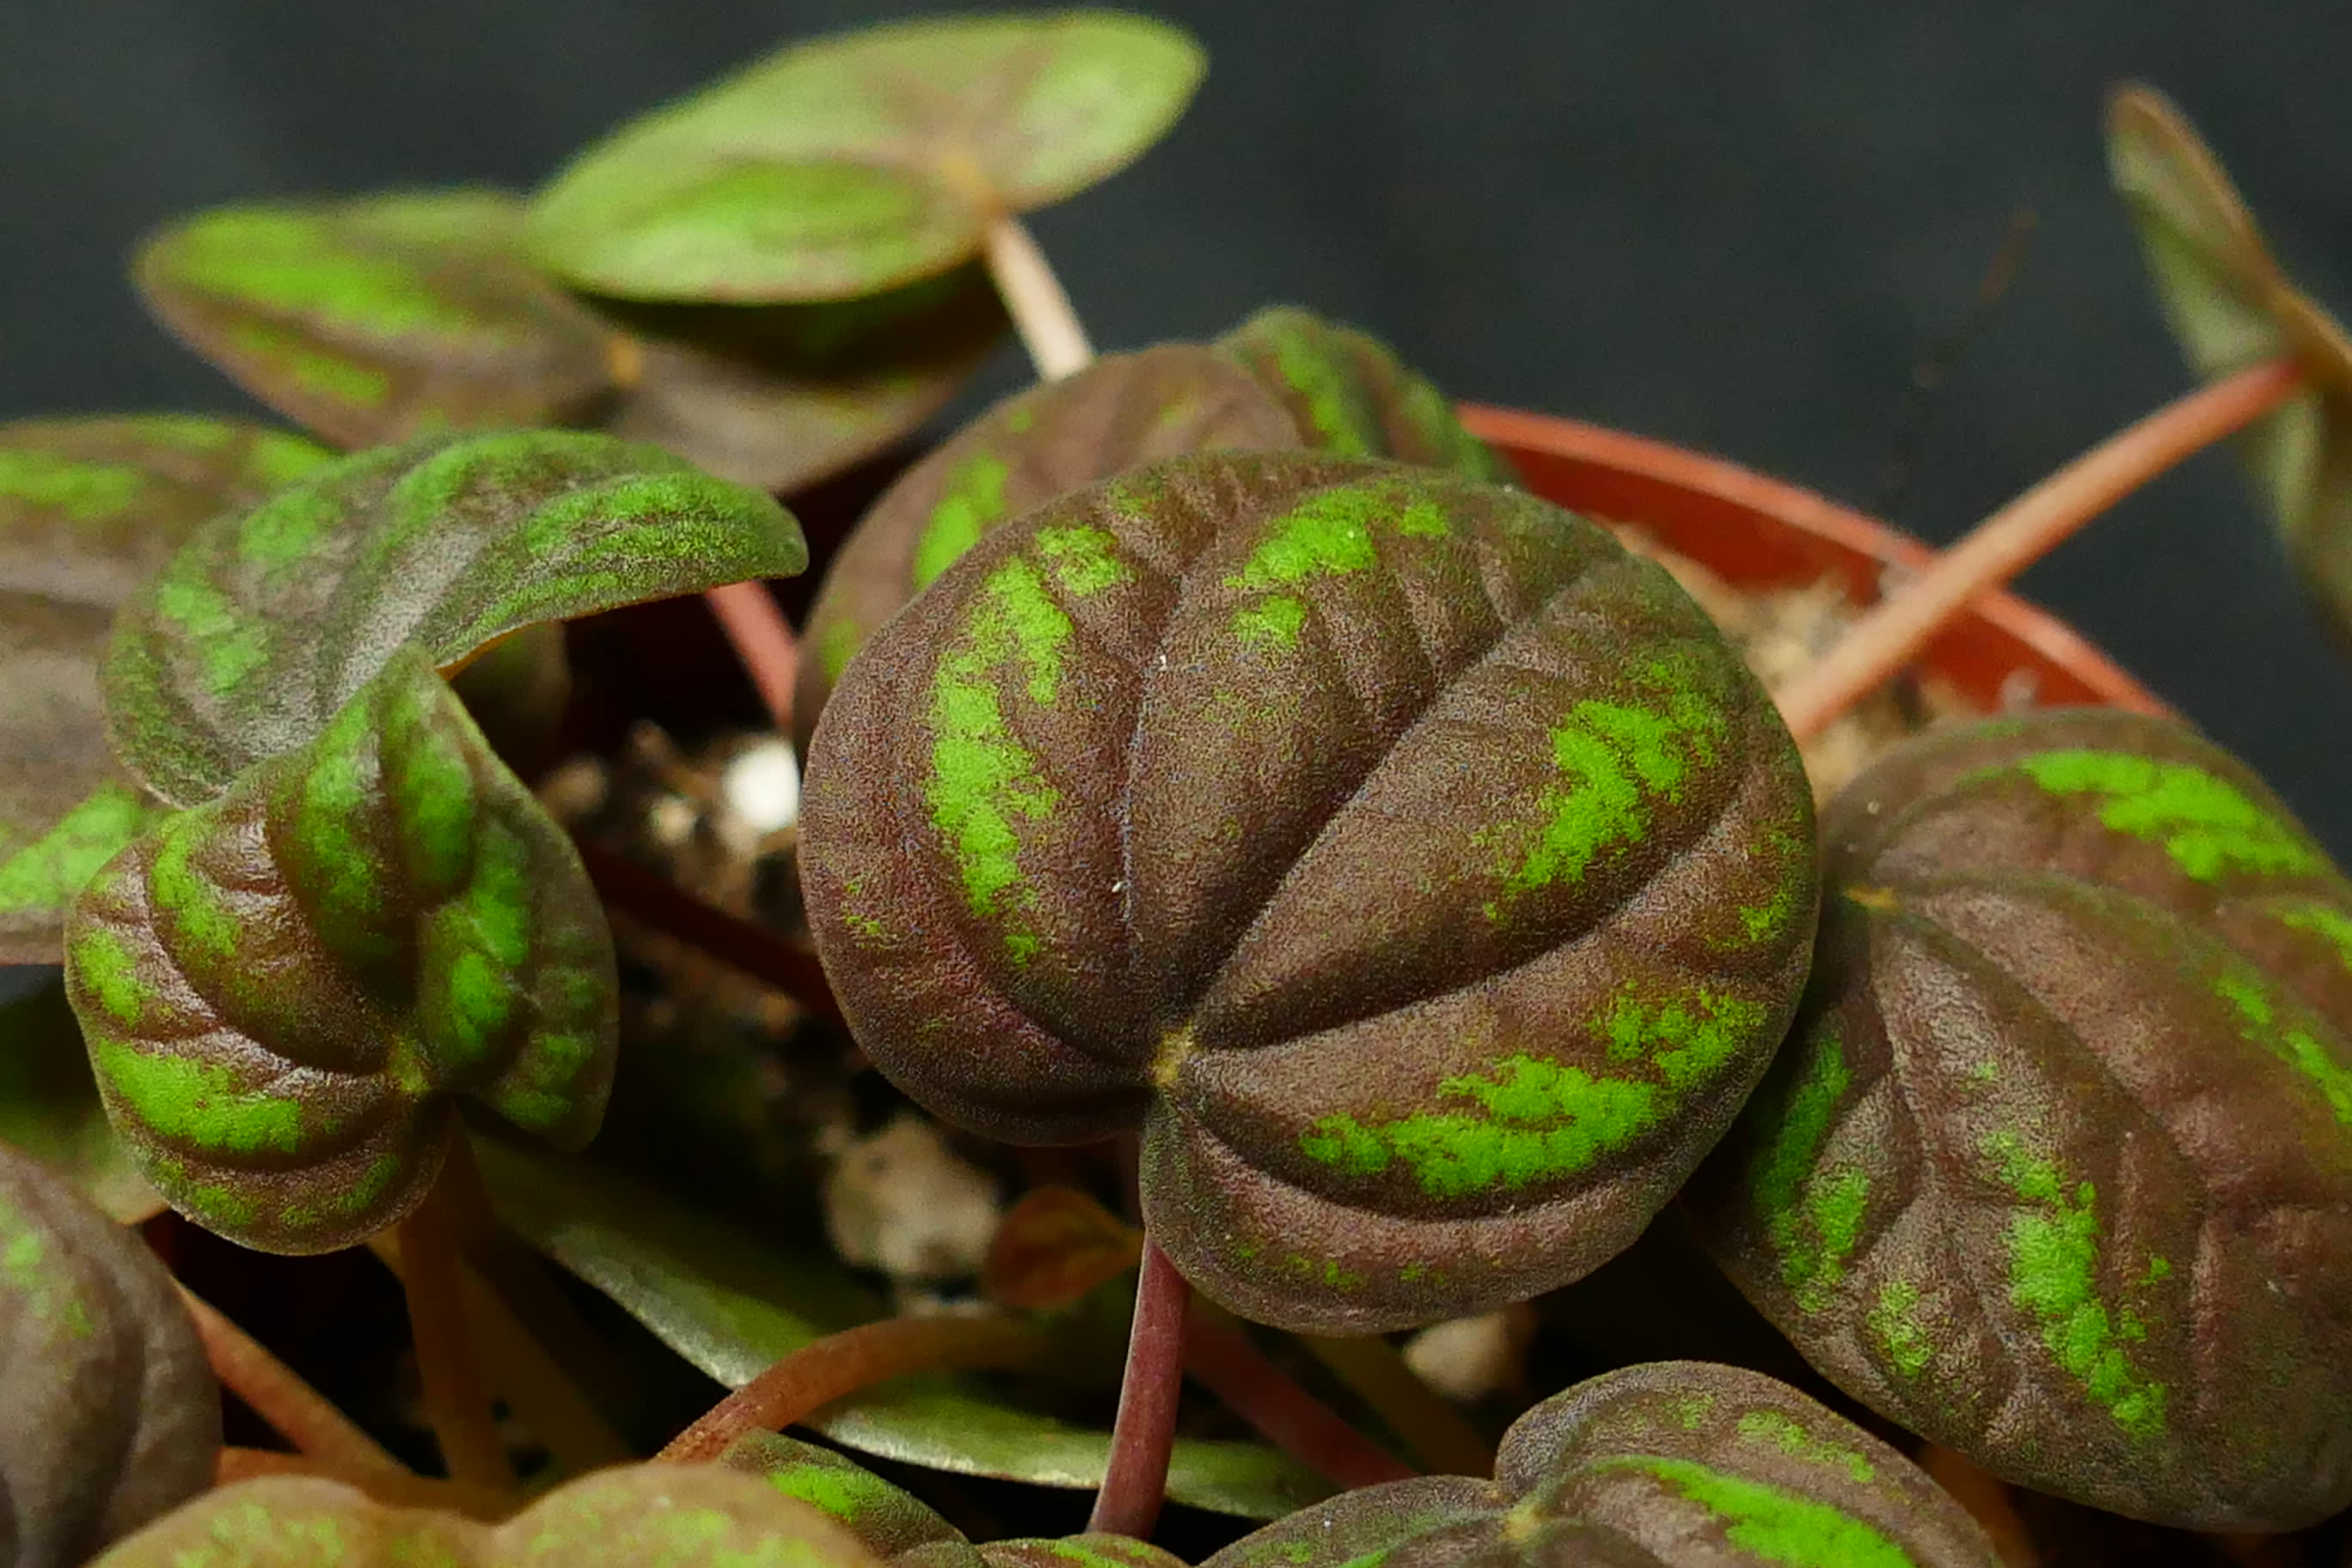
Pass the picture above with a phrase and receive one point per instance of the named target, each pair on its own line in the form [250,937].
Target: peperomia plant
[1394,887]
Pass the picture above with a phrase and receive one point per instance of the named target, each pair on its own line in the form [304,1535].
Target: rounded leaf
[264,624]
[1350,397]
[1416,869]
[113,1416]
[850,164]
[1123,411]
[381,318]
[889,1521]
[631,1516]
[1664,1465]
[2055,1167]
[90,508]
[2232,307]
[283,989]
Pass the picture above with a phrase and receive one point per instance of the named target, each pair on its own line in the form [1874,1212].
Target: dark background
[1736,227]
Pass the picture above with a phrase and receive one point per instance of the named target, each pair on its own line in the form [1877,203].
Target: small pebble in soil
[761,787]
[1468,1359]
[900,1201]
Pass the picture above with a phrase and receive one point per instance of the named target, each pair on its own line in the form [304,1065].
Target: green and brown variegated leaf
[2075,1071]
[380,319]
[265,623]
[1664,1465]
[1121,412]
[90,508]
[1351,396]
[782,395]
[1419,872]
[49,1106]
[899,1528]
[856,162]
[2232,307]
[632,1516]
[283,990]
[113,1416]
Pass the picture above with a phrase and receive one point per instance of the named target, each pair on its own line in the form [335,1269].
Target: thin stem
[301,1415]
[1226,1362]
[456,1396]
[548,1399]
[1986,1496]
[1440,1437]
[1039,308]
[399,1488]
[763,643]
[840,1364]
[1143,1435]
[2019,533]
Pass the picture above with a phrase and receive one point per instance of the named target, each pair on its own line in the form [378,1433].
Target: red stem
[763,641]
[1231,1366]
[647,895]
[840,1364]
[1144,1434]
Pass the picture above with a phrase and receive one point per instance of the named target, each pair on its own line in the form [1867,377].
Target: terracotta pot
[1755,532]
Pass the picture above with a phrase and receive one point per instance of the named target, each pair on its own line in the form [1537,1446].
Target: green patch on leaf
[1775,1524]
[2206,825]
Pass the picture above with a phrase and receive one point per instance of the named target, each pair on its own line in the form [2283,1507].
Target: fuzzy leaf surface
[1419,872]
[1663,1465]
[1124,411]
[90,508]
[2231,308]
[1350,397]
[49,1106]
[631,1516]
[2055,1166]
[383,318]
[852,164]
[265,623]
[283,990]
[733,1304]
[113,1416]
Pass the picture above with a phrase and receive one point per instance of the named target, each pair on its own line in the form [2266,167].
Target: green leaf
[89,510]
[629,1516]
[1119,413]
[49,1106]
[264,624]
[113,1416]
[779,396]
[1420,874]
[1663,1465]
[850,163]
[282,989]
[731,1304]
[1352,397]
[2054,1166]
[2232,307]
[381,318]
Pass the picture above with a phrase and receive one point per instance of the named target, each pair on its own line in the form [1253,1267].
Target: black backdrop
[1737,227]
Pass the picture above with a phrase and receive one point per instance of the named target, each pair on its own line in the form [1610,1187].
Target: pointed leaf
[1055,1245]
[49,1106]
[383,318]
[850,164]
[2232,307]
[113,1416]
[630,1516]
[90,508]
[2055,1166]
[733,1304]
[1121,412]
[1352,397]
[283,989]
[1663,1465]
[1420,873]
[263,625]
